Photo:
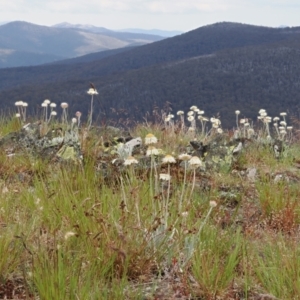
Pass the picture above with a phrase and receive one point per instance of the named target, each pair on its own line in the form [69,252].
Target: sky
[182,15]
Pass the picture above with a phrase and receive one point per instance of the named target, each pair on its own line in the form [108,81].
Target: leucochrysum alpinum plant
[145,218]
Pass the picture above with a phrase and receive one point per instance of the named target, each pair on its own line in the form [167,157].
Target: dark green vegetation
[221,67]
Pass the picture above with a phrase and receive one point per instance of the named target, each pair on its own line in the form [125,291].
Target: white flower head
[190,113]
[180,113]
[92,92]
[191,118]
[44,104]
[217,121]
[47,101]
[282,123]
[25,104]
[283,132]
[170,116]
[212,203]
[184,156]
[52,104]
[130,160]
[250,132]
[283,114]
[195,162]
[237,112]
[18,115]
[74,120]
[165,177]
[64,105]
[201,112]
[53,113]
[289,128]
[150,139]
[276,119]
[267,119]
[19,103]
[78,114]
[168,159]
[261,111]
[152,151]
[193,107]
[242,121]
[220,130]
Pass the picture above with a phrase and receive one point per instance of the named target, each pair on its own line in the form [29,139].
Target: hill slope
[58,43]
[237,67]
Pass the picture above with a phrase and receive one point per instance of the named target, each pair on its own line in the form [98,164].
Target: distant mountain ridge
[165,33]
[220,67]
[159,32]
[82,26]
[23,43]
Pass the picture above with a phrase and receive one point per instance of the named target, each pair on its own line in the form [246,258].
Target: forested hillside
[220,68]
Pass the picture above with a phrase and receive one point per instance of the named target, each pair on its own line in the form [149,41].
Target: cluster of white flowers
[52,106]
[244,127]
[280,125]
[170,116]
[215,122]
[21,106]
[192,115]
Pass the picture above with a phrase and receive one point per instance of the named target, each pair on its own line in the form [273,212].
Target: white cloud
[178,6]
[138,6]
[98,6]
[12,6]
[164,14]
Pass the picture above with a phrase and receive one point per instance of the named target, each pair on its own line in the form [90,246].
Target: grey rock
[251,174]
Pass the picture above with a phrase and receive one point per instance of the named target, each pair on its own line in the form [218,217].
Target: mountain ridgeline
[220,68]
[25,44]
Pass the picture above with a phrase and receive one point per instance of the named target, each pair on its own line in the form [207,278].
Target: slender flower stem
[237,122]
[167,200]
[183,188]
[193,184]
[182,122]
[91,113]
[151,182]
[138,213]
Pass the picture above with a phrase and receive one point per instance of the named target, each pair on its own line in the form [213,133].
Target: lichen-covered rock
[55,143]
[218,153]
[70,150]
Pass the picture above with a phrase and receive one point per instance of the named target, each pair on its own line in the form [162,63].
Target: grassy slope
[69,233]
